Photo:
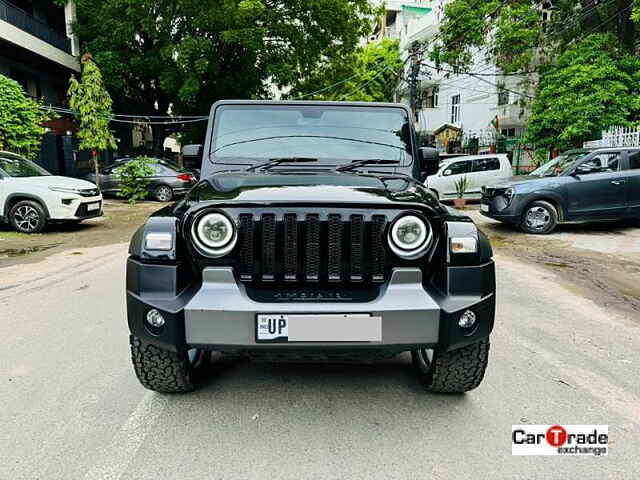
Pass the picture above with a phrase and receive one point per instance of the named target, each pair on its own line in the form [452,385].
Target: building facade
[483,109]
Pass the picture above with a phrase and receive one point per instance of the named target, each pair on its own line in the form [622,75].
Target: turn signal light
[463,245]
[185,177]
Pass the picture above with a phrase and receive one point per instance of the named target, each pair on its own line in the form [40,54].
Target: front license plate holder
[318,328]
[484,207]
[92,207]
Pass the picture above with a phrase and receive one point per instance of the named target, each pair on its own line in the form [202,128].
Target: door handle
[618,182]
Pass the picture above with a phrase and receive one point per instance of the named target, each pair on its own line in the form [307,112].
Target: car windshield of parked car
[21,167]
[334,135]
[555,167]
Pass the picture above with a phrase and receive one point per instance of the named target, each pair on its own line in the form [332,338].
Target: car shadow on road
[375,377]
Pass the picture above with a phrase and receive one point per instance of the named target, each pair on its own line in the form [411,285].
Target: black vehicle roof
[308,102]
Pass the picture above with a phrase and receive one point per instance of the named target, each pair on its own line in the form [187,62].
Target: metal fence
[617,137]
[29,24]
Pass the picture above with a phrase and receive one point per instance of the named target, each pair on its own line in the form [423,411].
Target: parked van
[479,170]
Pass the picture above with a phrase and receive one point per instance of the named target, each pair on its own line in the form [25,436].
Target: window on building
[508,132]
[455,108]
[503,95]
[431,98]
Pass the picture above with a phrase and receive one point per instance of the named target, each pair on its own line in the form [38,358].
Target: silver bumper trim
[221,313]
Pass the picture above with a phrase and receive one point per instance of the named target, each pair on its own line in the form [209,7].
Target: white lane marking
[125,444]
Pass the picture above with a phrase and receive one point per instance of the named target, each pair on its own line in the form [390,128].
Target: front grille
[311,248]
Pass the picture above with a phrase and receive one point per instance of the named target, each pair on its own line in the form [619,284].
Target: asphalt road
[71,408]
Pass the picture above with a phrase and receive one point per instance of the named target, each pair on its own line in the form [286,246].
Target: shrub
[134,178]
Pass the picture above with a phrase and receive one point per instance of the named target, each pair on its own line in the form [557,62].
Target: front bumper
[219,315]
[76,208]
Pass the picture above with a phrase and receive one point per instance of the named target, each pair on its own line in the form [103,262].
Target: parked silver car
[167,180]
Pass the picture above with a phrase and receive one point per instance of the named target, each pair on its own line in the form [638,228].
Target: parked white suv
[30,197]
[479,169]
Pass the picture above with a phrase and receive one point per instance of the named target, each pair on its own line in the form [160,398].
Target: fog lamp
[155,318]
[467,319]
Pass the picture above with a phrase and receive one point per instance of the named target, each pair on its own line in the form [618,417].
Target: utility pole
[412,80]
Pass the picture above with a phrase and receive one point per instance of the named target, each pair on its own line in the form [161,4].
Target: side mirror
[583,170]
[446,173]
[429,161]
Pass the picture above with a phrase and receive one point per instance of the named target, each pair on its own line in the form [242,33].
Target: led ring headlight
[214,234]
[409,237]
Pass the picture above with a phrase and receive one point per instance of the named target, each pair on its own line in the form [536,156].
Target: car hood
[54,181]
[517,180]
[302,187]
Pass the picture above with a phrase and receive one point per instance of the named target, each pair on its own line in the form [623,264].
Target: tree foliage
[583,50]
[371,74]
[90,99]
[179,56]
[21,119]
[592,86]
[134,178]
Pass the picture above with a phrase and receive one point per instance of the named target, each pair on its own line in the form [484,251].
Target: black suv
[310,237]
[576,186]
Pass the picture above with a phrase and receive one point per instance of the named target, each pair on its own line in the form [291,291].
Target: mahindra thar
[310,237]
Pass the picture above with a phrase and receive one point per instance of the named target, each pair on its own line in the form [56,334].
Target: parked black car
[167,181]
[577,186]
[310,237]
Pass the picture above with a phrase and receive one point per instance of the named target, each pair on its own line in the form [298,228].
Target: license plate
[284,328]
[92,207]
[484,207]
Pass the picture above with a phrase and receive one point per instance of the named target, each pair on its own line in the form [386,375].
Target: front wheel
[457,371]
[539,217]
[166,371]
[28,216]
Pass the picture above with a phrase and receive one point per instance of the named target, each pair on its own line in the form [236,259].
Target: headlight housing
[410,236]
[509,193]
[74,191]
[214,234]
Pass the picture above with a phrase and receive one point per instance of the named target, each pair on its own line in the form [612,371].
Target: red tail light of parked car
[185,177]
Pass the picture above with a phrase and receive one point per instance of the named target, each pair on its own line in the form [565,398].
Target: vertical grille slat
[312,247]
[268,247]
[357,240]
[246,247]
[334,254]
[290,247]
[378,256]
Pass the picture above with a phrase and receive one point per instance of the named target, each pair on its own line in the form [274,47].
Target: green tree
[592,86]
[89,98]
[368,74]
[134,178]
[179,56]
[21,119]
[560,39]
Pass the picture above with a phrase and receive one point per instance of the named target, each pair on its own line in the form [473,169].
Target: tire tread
[159,369]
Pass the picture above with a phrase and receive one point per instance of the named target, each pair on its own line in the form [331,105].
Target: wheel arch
[549,197]
[14,198]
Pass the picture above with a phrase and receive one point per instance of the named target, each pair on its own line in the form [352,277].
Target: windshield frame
[20,158]
[218,107]
[577,157]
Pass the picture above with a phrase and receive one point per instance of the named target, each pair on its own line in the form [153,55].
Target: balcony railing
[26,22]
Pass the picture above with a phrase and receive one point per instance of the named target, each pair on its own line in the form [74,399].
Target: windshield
[334,135]
[555,167]
[21,167]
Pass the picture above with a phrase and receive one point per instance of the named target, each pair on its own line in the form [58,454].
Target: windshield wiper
[277,161]
[361,163]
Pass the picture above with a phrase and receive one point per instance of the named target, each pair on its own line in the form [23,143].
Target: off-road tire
[35,224]
[457,371]
[542,205]
[162,370]
[163,193]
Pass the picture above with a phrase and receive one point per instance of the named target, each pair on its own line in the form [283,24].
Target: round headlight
[214,234]
[410,237]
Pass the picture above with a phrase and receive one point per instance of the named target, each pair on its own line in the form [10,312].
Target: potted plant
[461,188]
